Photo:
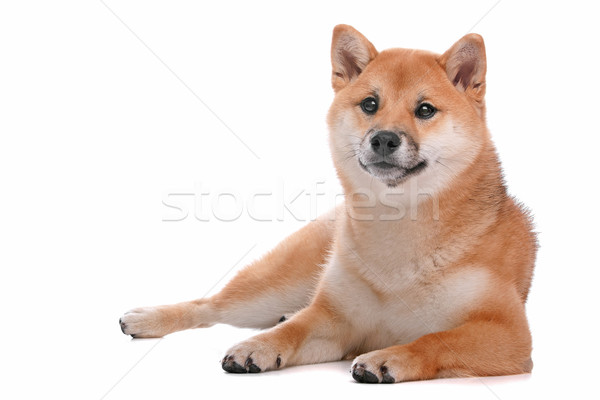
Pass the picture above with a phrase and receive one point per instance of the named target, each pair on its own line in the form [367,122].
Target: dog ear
[350,54]
[465,65]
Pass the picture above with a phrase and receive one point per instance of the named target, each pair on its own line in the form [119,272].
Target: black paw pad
[387,378]
[282,319]
[360,374]
[278,361]
[230,365]
[252,368]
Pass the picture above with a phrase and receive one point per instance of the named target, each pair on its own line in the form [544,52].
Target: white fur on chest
[408,306]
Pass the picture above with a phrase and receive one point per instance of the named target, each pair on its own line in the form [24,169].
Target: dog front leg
[316,334]
[493,341]
[280,283]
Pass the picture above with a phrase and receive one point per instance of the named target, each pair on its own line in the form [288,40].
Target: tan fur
[418,276]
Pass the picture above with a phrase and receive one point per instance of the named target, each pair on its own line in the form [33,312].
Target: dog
[425,269]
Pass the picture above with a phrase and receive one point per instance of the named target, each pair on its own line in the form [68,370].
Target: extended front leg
[316,334]
[279,283]
[489,343]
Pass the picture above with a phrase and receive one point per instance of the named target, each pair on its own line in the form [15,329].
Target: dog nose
[385,142]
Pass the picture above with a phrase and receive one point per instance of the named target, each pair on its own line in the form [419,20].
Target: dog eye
[369,105]
[425,111]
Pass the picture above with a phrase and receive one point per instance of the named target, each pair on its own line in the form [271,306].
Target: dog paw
[377,367]
[143,322]
[251,356]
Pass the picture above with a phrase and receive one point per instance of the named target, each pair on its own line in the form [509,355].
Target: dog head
[401,115]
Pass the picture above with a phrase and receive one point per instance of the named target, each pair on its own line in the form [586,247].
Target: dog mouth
[383,165]
[391,173]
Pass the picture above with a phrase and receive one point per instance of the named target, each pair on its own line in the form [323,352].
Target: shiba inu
[424,271]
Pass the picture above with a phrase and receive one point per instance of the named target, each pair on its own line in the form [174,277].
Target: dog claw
[387,378]
[360,374]
[231,366]
[252,368]
[123,325]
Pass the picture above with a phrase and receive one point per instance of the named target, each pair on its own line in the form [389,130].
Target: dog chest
[394,310]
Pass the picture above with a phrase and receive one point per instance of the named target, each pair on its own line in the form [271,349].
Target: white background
[105,113]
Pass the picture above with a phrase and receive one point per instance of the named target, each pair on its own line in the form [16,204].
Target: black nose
[385,142]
